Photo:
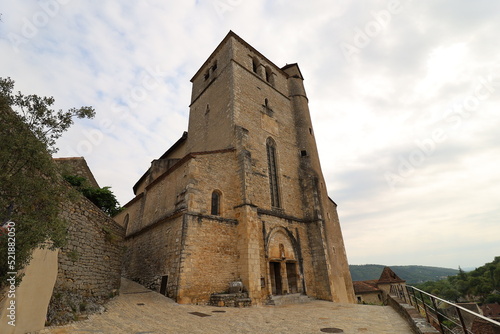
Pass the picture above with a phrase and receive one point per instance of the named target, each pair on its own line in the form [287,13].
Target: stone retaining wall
[89,265]
[418,324]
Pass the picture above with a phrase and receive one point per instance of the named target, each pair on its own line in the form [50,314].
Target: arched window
[273,173]
[215,208]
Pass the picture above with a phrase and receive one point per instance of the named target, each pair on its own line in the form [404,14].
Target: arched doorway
[283,268]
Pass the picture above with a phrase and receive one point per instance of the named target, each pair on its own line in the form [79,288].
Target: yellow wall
[32,296]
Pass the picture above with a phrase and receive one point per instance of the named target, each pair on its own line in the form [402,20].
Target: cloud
[422,86]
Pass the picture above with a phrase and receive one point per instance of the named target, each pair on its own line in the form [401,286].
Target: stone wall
[210,117]
[210,258]
[76,166]
[89,265]
[162,233]
[155,253]
[275,121]
[417,322]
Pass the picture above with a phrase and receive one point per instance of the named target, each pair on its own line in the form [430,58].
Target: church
[240,197]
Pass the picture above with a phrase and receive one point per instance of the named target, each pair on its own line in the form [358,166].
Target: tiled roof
[365,286]
[491,310]
[389,276]
[483,327]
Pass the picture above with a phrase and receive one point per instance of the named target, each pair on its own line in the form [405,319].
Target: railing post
[416,300]
[402,293]
[442,316]
[425,307]
[438,316]
[464,327]
[409,296]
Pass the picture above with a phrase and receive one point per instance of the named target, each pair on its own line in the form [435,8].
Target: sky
[402,95]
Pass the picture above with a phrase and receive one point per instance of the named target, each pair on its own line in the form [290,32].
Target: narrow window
[255,64]
[207,75]
[207,110]
[269,76]
[273,174]
[214,66]
[215,203]
[125,222]
[267,108]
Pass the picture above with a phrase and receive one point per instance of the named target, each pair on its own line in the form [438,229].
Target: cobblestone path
[138,310]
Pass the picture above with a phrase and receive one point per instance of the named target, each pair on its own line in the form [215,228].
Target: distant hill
[412,274]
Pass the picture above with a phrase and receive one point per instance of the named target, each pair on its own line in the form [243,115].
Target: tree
[103,197]
[31,189]
[35,112]
[480,284]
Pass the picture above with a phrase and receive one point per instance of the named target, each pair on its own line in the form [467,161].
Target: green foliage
[31,189]
[477,285]
[35,112]
[412,274]
[103,198]
[492,299]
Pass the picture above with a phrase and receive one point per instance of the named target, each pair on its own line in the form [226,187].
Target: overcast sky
[404,97]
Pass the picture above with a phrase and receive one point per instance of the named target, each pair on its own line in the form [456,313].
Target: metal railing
[442,314]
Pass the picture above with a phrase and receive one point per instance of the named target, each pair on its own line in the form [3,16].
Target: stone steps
[230,300]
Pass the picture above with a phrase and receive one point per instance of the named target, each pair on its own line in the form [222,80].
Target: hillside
[412,274]
[480,285]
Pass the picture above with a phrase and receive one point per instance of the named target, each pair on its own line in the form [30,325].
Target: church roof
[389,276]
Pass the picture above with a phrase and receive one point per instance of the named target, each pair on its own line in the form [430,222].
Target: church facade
[240,196]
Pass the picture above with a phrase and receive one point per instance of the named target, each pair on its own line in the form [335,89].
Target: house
[375,291]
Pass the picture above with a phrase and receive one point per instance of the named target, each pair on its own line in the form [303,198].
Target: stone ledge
[230,300]
[293,298]
[418,324]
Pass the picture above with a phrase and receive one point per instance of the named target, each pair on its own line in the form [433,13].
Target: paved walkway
[138,310]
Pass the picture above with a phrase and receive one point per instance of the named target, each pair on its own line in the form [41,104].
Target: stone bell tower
[242,191]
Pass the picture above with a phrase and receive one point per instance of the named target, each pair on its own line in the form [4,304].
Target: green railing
[445,316]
